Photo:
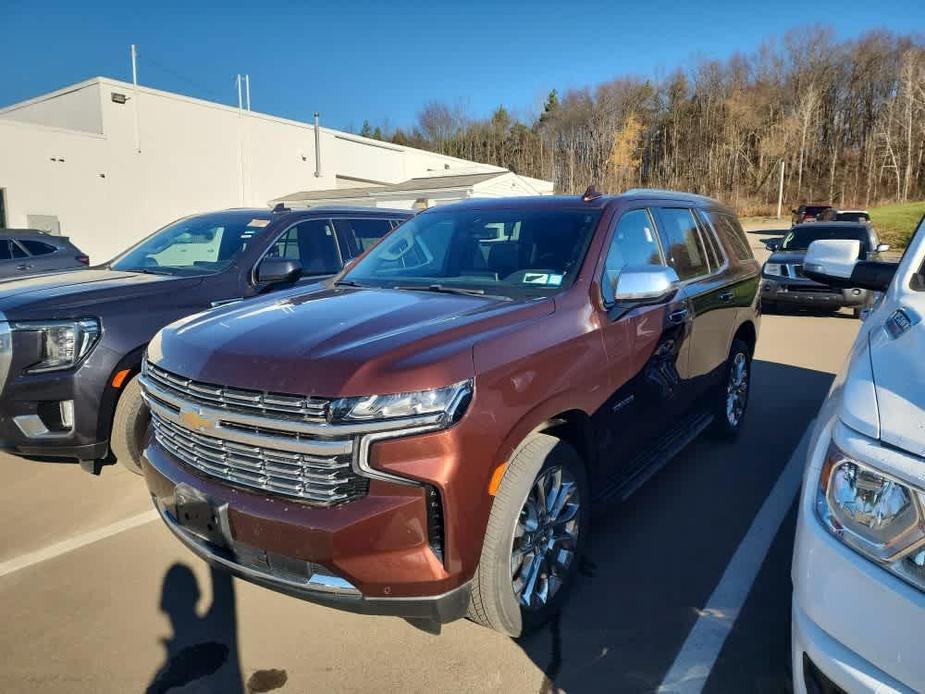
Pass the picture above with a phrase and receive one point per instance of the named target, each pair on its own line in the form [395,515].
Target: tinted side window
[682,242]
[357,235]
[17,251]
[313,244]
[5,250]
[633,243]
[710,244]
[730,227]
[37,247]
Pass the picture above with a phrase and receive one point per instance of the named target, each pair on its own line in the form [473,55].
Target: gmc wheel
[129,427]
[535,536]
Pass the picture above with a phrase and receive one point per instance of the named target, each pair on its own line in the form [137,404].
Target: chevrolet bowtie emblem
[193,419]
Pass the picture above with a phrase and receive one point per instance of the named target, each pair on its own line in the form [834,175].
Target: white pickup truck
[859,558]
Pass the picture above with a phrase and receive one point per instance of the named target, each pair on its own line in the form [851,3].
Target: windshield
[195,245]
[800,237]
[508,252]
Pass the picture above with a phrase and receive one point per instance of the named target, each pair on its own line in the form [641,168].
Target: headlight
[63,343]
[443,405]
[874,514]
[772,269]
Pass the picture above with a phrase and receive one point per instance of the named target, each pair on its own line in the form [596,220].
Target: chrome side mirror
[883,247]
[645,284]
[832,258]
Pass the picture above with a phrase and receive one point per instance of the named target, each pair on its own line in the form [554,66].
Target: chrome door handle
[726,296]
[678,316]
[23,267]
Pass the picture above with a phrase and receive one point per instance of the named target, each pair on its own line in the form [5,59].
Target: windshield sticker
[258,223]
[536,278]
[554,280]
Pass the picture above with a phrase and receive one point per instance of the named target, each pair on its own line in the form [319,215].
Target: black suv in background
[783,282]
[30,252]
[71,343]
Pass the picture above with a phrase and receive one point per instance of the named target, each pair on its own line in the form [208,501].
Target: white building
[106,164]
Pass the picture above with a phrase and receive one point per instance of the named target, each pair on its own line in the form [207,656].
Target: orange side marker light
[496,479]
[119,379]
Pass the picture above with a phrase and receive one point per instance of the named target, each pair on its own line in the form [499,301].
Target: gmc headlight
[873,513]
[441,405]
[772,269]
[63,344]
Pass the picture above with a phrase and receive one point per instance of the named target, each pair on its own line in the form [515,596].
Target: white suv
[859,559]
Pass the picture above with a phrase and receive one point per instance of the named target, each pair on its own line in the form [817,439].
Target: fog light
[856,292]
[66,408]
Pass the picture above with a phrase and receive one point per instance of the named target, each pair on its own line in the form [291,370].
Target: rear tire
[532,549]
[129,427]
[732,392]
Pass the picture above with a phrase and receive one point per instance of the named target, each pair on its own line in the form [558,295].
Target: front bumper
[861,627]
[809,294]
[370,555]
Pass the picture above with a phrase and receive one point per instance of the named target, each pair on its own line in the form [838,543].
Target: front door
[647,354]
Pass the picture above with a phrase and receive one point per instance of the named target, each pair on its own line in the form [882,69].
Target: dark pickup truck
[71,343]
[785,284]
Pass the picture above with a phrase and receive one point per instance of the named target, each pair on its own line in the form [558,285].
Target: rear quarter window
[37,247]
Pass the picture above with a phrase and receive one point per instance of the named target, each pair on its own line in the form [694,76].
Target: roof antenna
[280,207]
[590,194]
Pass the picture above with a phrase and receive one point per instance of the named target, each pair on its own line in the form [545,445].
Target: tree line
[846,117]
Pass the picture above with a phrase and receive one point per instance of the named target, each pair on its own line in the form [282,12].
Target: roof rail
[664,191]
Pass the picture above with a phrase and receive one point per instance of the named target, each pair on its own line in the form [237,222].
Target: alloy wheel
[545,537]
[737,389]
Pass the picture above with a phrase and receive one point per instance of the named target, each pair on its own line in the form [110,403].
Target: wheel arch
[748,333]
[111,394]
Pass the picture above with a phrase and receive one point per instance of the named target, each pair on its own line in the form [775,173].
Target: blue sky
[384,60]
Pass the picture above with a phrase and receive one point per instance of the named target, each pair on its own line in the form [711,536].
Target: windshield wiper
[348,283]
[448,290]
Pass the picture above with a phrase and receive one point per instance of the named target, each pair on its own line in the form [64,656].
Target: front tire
[534,540]
[129,427]
[732,393]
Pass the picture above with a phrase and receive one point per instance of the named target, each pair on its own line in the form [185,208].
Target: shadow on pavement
[655,560]
[200,646]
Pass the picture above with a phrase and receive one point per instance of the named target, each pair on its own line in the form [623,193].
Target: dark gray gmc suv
[71,343]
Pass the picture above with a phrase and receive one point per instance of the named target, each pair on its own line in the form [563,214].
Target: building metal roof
[423,183]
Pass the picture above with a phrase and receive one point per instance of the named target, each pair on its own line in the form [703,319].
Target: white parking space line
[695,660]
[28,559]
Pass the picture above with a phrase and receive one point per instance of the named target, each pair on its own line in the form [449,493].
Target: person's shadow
[201,646]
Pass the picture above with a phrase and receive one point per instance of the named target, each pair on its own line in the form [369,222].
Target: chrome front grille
[325,480]
[238,400]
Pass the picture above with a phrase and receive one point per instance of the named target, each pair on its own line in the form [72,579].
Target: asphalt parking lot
[97,596]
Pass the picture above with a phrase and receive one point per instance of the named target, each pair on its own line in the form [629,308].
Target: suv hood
[60,295]
[339,341]
[898,368]
[784,257]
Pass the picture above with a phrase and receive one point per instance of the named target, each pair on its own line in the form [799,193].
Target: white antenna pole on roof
[239,80]
[135,97]
[247,91]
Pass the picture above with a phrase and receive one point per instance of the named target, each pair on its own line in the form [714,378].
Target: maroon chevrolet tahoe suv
[426,435]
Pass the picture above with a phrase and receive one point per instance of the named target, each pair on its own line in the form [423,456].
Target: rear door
[44,257]
[14,261]
[698,259]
